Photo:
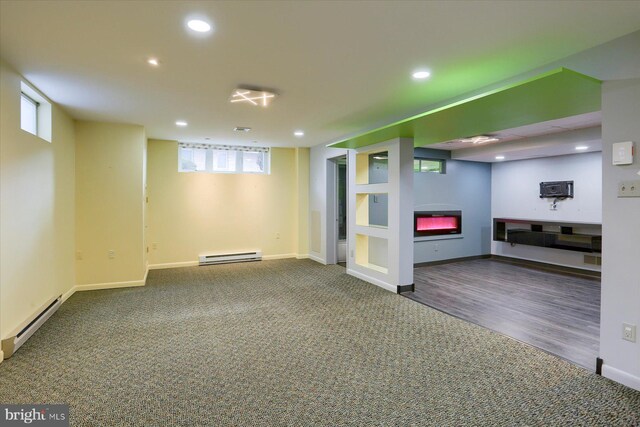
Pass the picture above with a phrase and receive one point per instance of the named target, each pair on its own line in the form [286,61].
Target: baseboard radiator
[231,257]
[11,344]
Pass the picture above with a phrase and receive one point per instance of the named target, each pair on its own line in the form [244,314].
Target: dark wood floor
[558,313]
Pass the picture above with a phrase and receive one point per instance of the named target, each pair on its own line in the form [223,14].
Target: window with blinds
[222,158]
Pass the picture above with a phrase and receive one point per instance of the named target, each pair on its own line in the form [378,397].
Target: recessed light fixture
[499,157]
[421,74]
[253,97]
[181,123]
[299,133]
[153,61]
[479,139]
[242,129]
[582,147]
[199,26]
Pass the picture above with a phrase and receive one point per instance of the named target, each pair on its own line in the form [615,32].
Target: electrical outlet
[629,332]
[154,245]
[111,253]
[553,206]
[79,255]
[277,235]
[629,188]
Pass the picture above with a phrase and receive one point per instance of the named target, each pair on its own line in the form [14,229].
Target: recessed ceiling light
[153,61]
[181,123]
[299,133]
[499,157]
[582,147]
[198,25]
[421,75]
[242,129]
[253,97]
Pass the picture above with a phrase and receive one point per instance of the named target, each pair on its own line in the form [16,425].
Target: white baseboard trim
[111,285]
[68,294]
[279,256]
[302,256]
[621,377]
[373,281]
[1,356]
[173,265]
[317,259]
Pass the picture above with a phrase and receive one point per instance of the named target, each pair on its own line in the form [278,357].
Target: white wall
[37,191]
[110,179]
[318,206]
[621,229]
[198,213]
[514,194]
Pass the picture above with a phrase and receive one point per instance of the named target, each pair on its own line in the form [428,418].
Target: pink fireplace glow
[435,223]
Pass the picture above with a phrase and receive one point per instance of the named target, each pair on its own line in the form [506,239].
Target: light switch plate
[622,153]
[629,188]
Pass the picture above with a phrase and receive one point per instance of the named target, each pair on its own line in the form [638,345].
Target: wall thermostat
[623,153]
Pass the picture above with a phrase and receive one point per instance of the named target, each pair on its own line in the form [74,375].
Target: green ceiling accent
[553,95]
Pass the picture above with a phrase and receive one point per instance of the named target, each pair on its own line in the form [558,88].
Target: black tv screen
[556,189]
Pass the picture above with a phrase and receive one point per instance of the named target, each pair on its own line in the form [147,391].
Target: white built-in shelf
[372,188]
[373,231]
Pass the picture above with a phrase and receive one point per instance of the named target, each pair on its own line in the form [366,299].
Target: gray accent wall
[465,186]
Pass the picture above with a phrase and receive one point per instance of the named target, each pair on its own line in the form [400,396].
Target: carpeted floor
[293,343]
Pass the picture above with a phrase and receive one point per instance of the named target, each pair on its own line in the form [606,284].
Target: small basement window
[35,113]
[429,165]
[222,158]
[28,114]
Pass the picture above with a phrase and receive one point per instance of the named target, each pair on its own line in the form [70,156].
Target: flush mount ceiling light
[242,129]
[479,139]
[181,123]
[253,97]
[299,133]
[499,157]
[421,74]
[153,62]
[199,26]
[582,147]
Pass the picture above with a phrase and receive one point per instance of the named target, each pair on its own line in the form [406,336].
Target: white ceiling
[339,68]
[551,138]
[538,143]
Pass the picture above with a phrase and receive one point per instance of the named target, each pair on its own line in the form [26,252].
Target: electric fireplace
[435,223]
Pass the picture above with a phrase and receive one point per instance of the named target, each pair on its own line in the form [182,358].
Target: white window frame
[237,150]
[43,111]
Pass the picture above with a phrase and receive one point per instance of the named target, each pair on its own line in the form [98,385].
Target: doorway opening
[341,210]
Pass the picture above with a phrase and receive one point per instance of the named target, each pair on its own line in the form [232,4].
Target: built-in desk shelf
[572,236]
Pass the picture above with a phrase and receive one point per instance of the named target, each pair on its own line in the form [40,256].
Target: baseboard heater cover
[210,259]
[12,344]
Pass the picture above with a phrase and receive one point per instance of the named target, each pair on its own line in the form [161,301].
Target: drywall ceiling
[552,95]
[339,68]
[542,140]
